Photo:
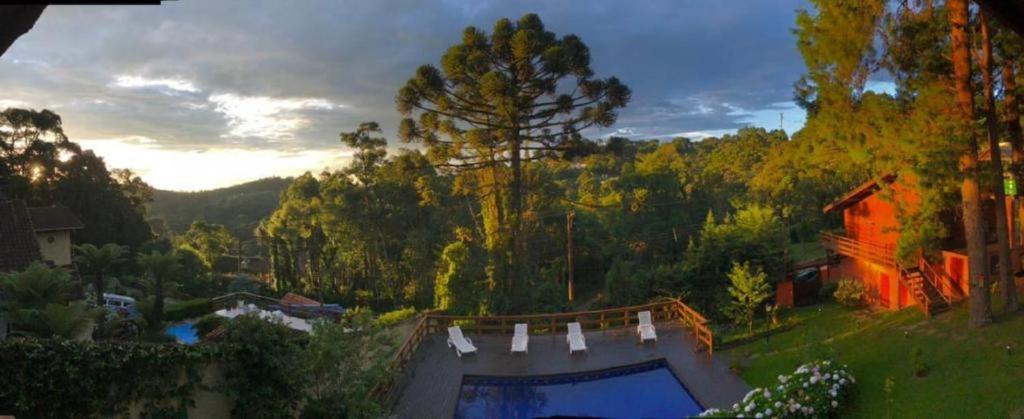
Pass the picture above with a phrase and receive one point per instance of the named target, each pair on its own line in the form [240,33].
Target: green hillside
[239,207]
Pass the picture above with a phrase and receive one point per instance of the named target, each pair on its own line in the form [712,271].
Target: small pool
[648,390]
[184,332]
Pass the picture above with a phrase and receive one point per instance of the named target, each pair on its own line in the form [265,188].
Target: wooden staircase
[922,288]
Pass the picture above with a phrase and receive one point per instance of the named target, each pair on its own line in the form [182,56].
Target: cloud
[272,76]
[266,117]
[165,84]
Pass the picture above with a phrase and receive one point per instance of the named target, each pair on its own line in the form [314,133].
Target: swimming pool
[184,332]
[648,390]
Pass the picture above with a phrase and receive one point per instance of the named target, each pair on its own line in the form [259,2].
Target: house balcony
[883,254]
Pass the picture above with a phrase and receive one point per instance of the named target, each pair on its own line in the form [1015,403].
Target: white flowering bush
[816,389]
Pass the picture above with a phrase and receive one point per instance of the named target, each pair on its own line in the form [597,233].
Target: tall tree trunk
[1012,116]
[516,209]
[1008,290]
[98,284]
[981,312]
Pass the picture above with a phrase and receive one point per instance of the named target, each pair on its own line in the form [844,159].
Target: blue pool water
[647,390]
[184,332]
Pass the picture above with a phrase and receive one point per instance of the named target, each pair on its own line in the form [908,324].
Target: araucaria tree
[499,100]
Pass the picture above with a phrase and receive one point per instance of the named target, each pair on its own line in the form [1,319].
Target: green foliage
[239,208]
[187,309]
[211,241]
[38,303]
[161,273]
[850,293]
[343,363]
[97,261]
[209,323]
[457,287]
[755,235]
[749,290]
[260,364]
[498,101]
[106,378]
[394,317]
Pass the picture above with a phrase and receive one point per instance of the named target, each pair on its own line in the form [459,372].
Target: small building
[866,248]
[53,226]
[34,234]
[18,245]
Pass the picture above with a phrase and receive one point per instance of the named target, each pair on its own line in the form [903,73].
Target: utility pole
[568,249]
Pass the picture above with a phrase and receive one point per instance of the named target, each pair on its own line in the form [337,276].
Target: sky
[200,94]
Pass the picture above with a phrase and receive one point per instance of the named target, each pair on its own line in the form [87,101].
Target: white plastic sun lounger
[521,340]
[575,338]
[461,343]
[646,329]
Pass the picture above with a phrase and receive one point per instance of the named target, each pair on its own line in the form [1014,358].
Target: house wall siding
[55,246]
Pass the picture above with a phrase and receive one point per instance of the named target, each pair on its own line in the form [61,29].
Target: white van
[120,304]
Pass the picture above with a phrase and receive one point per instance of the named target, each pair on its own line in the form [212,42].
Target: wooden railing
[541,324]
[861,249]
[942,282]
[917,292]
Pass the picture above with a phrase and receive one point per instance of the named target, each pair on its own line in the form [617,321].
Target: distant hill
[239,207]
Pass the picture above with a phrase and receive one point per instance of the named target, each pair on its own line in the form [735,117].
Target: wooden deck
[429,387]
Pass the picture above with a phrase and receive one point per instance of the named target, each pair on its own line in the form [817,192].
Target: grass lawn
[806,251]
[971,374]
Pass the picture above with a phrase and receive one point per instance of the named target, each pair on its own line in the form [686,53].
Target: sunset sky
[203,94]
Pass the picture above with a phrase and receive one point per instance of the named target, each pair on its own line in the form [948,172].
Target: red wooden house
[866,249]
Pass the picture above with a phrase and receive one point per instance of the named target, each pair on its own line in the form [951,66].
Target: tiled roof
[296,299]
[54,218]
[18,246]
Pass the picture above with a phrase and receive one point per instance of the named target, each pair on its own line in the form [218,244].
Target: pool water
[184,332]
[648,390]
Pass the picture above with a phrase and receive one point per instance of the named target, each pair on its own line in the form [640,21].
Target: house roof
[18,245]
[862,191]
[54,218]
[292,298]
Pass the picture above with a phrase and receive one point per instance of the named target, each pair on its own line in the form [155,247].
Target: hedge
[188,309]
[66,379]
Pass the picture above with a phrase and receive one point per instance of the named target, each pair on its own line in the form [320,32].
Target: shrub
[208,323]
[394,317]
[816,389]
[187,309]
[850,293]
[749,289]
[69,379]
[920,366]
[260,361]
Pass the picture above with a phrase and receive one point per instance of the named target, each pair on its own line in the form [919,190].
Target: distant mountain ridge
[239,207]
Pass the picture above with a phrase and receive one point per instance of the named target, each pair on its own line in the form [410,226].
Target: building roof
[862,191]
[54,218]
[18,245]
[296,299]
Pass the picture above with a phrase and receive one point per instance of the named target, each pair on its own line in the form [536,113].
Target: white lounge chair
[521,340]
[575,338]
[461,343]
[646,329]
